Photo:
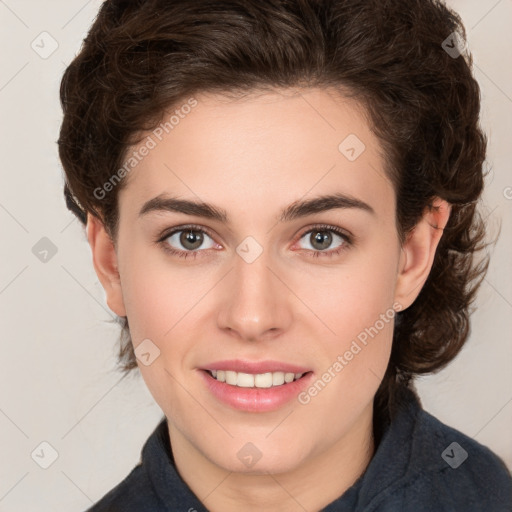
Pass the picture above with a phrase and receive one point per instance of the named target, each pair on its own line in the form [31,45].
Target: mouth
[259,380]
[255,386]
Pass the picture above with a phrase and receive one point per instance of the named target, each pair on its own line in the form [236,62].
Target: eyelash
[347,241]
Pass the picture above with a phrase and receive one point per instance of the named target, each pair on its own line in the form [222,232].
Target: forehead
[267,147]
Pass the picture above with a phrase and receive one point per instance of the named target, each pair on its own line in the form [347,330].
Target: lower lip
[256,399]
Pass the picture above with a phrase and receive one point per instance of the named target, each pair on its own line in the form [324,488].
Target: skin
[253,157]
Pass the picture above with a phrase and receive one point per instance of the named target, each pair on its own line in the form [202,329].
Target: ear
[104,259]
[418,251]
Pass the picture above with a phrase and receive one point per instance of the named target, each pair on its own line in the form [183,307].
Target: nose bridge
[256,302]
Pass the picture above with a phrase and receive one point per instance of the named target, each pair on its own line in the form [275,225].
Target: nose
[255,303]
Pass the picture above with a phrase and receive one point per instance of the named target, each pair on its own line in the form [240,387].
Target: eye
[321,238]
[187,239]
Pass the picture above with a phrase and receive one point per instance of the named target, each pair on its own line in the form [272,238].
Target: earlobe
[418,252]
[105,263]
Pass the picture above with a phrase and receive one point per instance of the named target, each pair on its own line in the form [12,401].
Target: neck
[317,481]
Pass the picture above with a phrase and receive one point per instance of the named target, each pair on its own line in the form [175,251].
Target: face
[278,284]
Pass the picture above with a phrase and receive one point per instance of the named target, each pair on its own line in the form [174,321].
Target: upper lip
[255,367]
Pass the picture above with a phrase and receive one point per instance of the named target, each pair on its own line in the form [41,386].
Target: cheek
[164,302]
[160,305]
[354,359]
[154,298]
[149,308]
[356,304]
[352,297]
[358,348]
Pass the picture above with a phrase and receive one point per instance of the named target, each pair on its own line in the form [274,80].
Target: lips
[255,387]
[239,365]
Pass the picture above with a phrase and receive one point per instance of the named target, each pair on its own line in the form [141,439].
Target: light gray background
[57,378]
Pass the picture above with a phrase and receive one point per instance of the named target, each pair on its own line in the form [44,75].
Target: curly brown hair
[142,57]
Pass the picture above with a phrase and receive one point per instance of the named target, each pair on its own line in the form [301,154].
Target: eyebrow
[296,210]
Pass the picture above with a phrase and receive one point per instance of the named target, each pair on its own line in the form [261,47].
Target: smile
[259,380]
[262,390]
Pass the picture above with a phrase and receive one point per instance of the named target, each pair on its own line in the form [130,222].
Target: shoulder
[153,485]
[449,471]
[132,494]
[138,491]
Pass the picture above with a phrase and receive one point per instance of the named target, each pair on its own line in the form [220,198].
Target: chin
[258,458]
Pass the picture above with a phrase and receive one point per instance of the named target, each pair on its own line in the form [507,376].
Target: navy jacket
[420,465]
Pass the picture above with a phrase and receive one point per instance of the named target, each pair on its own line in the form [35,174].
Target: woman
[281,201]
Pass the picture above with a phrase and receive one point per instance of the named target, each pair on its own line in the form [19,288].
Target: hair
[142,58]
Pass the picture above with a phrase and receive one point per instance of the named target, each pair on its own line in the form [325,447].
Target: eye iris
[323,238]
[195,238]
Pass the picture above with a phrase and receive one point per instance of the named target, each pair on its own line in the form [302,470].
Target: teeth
[245,380]
[231,378]
[277,378]
[259,380]
[262,380]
